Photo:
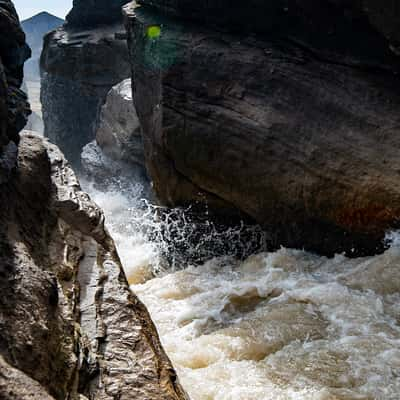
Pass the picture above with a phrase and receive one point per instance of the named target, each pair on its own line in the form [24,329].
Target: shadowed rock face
[300,18]
[14,108]
[80,63]
[300,137]
[79,67]
[69,325]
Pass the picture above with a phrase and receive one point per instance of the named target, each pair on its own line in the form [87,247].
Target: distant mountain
[35,28]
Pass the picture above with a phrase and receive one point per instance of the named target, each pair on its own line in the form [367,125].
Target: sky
[28,8]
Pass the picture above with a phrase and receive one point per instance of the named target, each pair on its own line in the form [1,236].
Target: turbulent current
[280,325]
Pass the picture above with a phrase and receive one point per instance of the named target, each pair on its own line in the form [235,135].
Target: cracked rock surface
[297,126]
[69,325]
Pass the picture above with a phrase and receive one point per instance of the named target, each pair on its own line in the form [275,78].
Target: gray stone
[118,133]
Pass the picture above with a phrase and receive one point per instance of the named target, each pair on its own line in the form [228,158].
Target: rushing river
[282,325]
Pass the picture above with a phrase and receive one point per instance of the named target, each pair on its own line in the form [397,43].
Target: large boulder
[117,153]
[79,67]
[119,134]
[303,138]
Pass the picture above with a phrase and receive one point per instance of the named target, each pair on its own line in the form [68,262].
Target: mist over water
[167,238]
[280,325]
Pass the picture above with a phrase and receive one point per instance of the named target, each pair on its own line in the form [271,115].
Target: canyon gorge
[212,212]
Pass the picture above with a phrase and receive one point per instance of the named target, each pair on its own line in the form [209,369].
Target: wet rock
[117,154]
[105,171]
[297,128]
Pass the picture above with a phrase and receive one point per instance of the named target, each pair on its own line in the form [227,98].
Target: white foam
[287,325]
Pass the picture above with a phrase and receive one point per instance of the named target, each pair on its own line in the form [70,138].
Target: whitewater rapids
[287,325]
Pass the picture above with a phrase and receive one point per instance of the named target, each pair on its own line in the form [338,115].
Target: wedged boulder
[304,141]
[79,66]
[118,133]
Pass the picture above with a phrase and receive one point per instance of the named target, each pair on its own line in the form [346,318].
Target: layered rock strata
[296,126]
[80,63]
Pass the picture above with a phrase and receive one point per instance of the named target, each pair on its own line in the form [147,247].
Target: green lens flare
[153,32]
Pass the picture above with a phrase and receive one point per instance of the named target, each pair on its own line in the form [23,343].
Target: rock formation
[14,108]
[117,152]
[68,320]
[69,325]
[80,63]
[286,110]
[95,12]
[118,133]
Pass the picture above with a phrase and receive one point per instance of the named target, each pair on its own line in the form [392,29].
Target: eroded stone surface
[78,69]
[302,140]
[103,347]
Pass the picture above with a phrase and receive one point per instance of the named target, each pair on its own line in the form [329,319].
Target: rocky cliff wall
[296,126]
[69,325]
[70,328]
[80,63]
[14,108]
